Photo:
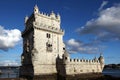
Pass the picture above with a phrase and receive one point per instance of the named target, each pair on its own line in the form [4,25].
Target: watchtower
[42,43]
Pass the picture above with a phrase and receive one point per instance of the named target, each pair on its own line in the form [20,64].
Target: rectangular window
[48,35]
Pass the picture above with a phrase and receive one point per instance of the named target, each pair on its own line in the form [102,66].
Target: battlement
[41,18]
[49,20]
[82,61]
[52,16]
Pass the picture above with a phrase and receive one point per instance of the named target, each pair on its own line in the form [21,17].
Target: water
[14,72]
[9,72]
[112,72]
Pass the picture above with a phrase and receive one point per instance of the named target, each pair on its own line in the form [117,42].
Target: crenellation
[45,14]
[75,60]
[82,61]
[90,61]
[52,16]
[41,13]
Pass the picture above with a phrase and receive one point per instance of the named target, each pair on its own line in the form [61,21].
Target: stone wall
[79,66]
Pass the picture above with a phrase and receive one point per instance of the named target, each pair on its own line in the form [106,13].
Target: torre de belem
[44,52]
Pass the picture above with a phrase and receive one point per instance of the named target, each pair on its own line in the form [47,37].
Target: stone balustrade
[48,28]
[82,61]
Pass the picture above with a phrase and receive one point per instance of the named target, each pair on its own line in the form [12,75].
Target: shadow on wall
[60,66]
[26,70]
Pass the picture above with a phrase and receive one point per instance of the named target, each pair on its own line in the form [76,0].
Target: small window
[65,58]
[48,35]
[63,48]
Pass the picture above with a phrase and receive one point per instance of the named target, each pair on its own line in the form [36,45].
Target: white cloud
[103,4]
[107,23]
[9,38]
[74,43]
[9,63]
[75,46]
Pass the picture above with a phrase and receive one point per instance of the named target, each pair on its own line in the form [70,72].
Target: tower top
[95,59]
[58,16]
[101,56]
[26,18]
[36,9]
[52,15]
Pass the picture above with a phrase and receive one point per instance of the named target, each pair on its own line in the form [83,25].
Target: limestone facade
[68,66]
[44,51]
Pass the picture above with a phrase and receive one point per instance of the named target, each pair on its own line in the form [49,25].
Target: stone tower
[42,43]
[44,53]
[101,60]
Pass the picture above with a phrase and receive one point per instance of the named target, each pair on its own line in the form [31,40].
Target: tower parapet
[101,59]
[39,20]
[69,60]
[36,9]
[45,19]
[66,57]
[58,17]
[52,15]
[26,18]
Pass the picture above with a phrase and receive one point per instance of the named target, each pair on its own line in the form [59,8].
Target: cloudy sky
[91,27]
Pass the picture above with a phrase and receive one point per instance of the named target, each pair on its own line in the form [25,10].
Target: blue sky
[90,27]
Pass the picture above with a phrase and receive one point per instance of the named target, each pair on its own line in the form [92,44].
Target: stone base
[68,77]
[90,76]
[45,77]
[26,71]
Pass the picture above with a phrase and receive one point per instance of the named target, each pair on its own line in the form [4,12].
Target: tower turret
[95,59]
[58,17]
[101,60]
[66,56]
[36,9]
[52,15]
